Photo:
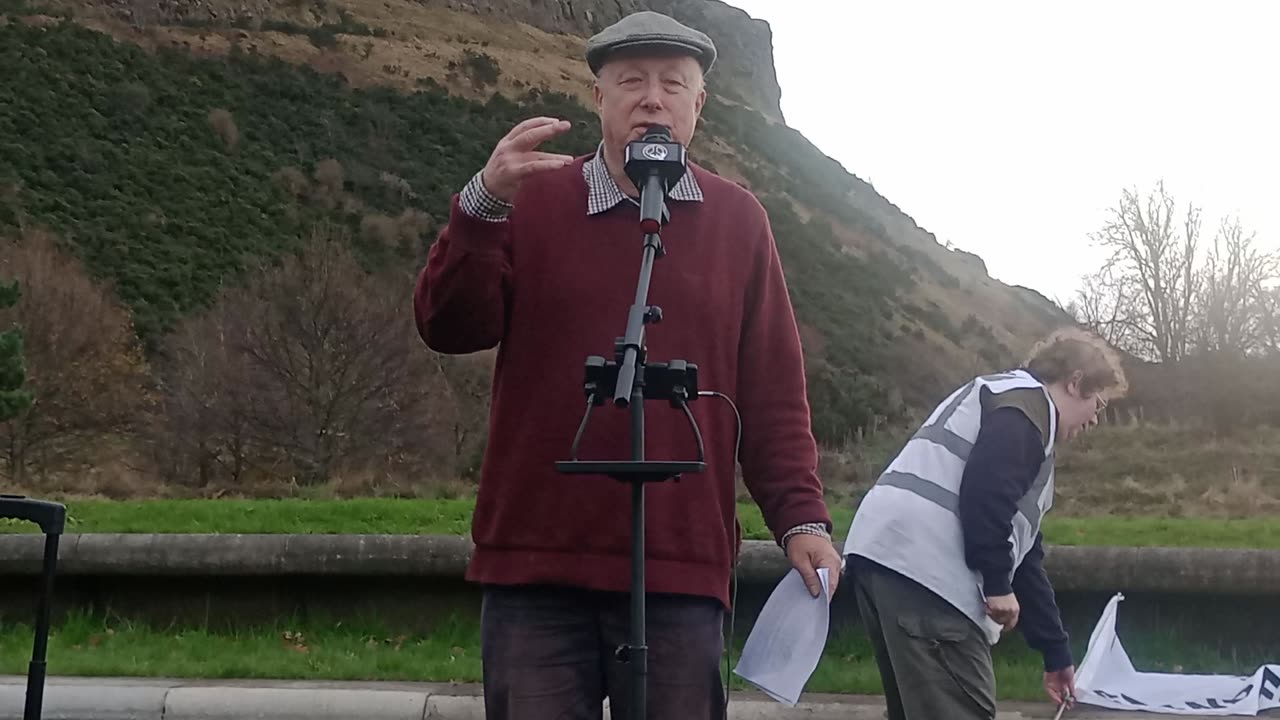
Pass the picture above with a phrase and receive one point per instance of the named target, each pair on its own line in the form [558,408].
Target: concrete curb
[94,698]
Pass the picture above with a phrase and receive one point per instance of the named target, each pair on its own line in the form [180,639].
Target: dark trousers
[548,654]
[935,663]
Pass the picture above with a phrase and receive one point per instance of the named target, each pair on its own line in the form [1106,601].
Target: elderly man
[539,258]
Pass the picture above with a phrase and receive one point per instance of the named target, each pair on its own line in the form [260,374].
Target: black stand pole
[631,379]
[36,671]
[51,517]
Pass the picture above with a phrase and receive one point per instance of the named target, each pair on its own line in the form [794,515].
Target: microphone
[655,163]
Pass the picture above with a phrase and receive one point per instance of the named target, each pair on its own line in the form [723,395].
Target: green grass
[88,645]
[453,516]
[356,516]
[1261,533]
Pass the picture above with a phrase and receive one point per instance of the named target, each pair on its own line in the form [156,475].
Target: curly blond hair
[1072,350]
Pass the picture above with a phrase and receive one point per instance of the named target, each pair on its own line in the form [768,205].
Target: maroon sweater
[552,285]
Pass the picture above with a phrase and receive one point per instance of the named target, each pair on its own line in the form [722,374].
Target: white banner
[1106,678]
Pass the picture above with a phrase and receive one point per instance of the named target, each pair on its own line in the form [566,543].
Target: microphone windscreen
[658,133]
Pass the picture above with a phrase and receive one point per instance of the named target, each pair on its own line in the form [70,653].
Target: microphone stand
[631,379]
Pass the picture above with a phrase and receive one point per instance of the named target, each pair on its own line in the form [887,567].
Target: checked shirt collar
[603,193]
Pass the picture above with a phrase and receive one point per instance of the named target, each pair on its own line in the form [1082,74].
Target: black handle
[50,516]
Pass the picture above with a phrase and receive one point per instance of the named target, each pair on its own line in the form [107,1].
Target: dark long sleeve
[1002,466]
[1039,620]
[460,302]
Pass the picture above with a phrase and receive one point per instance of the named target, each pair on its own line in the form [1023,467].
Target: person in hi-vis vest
[945,549]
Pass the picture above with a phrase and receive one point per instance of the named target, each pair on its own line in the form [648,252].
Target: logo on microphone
[654,152]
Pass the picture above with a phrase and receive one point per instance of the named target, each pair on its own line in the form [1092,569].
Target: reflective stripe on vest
[909,521]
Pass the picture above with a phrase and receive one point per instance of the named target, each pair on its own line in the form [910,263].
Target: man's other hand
[1004,609]
[515,157]
[807,553]
[1061,686]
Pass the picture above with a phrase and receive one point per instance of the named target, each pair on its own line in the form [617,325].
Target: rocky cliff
[744,71]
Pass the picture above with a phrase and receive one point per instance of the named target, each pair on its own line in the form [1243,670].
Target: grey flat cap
[653,29]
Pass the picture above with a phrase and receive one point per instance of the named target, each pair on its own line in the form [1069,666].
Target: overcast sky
[1008,128]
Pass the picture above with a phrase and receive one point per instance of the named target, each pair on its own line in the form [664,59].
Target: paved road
[180,699]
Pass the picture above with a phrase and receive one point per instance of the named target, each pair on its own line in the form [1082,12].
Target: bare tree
[201,430]
[1269,321]
[83,359]
[313,371]
[224,126]
[1104,307]
[331,178]
[294,181]
[1152,262]
[1204,321]
[465,383]
[380,229]
[1233,298]
[327,358]
[307,371]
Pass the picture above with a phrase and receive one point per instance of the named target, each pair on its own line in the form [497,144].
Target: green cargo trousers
[934,662]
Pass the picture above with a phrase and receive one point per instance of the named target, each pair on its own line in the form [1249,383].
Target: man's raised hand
[515,157]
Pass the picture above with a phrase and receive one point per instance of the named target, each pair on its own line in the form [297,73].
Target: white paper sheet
[1107,678]
[787,639]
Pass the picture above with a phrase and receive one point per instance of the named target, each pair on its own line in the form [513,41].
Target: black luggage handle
[50,516]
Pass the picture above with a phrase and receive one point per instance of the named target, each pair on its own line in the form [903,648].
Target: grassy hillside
[127,155]
[169,173]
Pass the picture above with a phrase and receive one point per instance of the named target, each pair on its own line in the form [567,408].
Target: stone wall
[414,581]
